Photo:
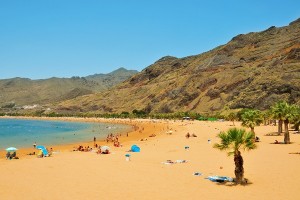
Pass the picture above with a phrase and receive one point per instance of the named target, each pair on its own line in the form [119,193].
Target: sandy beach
[272,172]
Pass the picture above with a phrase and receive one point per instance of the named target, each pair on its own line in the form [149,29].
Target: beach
[273,172]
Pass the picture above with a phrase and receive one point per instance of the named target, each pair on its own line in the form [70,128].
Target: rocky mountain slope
[253,70]
[22,91]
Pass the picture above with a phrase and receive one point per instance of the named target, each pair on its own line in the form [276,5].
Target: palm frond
[235,139]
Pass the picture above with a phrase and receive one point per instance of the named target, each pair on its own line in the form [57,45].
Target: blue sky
[63,38]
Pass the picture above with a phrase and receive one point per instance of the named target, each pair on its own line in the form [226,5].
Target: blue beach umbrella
[135,148]
[11,149]
[44,150]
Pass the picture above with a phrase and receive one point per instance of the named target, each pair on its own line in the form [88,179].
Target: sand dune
[273,173]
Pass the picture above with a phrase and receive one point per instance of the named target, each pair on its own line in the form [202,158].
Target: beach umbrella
[135,148]
[11,149]
[40,147]
[44,150]
[104,148]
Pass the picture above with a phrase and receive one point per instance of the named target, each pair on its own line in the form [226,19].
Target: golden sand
[273,173]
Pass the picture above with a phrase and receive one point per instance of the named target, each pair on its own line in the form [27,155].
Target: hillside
[23,91]
[252,70]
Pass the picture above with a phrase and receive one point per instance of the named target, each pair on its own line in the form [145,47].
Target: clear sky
[64,38]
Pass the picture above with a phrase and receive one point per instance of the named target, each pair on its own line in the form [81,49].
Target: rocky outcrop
[253,70]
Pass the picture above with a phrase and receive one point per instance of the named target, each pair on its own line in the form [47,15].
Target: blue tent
[135,148]
[44,150]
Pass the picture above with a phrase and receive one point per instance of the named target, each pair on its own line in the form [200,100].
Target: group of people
[41,154]
[188,135]
[12,155]
[114,139]
[106,151]
[84,149]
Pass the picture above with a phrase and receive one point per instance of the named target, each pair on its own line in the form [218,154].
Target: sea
[23,133]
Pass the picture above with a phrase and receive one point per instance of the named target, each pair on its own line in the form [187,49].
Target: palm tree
[284,112]
[277,111]
[296,118]
[251,118]
[233,141]
[232,117]
[267,116]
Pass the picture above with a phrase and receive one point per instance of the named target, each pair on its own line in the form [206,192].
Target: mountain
[252,70]
[23,91]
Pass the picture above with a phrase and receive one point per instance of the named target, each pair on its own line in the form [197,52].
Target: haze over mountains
[23,91]
[253,70]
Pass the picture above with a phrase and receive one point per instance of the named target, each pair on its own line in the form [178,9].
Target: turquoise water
[23,133]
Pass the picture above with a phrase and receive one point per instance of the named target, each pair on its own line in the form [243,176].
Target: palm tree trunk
[252,131]
[279,126]
[286,132]
[239,169]
[297,126]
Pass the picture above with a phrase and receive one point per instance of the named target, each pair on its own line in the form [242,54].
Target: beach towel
[220,179]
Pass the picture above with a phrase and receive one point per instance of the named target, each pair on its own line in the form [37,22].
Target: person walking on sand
[94,141]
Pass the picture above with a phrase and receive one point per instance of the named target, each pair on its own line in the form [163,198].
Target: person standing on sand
[34,144]
[94,141]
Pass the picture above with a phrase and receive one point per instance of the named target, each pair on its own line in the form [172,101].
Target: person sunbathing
[13,155]
[257,139]
[106,152]
[8,155]
[188,135]
[99,151]
[276,142]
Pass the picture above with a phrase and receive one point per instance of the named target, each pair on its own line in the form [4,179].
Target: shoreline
[139,130]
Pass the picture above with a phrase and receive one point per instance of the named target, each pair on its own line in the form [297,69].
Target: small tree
[233,141]
[251,118]
[277,112]
[296,117]
[284,112]
[232,117]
